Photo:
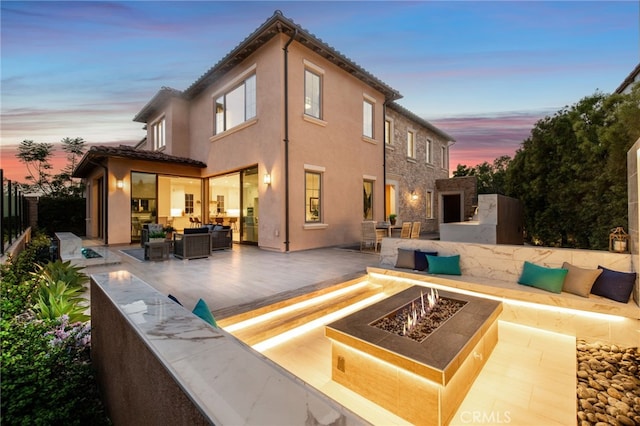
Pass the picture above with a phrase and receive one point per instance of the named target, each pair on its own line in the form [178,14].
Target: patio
[530,378]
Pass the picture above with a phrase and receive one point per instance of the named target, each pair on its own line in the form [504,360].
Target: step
[282,320]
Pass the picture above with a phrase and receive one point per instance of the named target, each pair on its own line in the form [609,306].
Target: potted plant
[392,218]
[156,236]
[169,230]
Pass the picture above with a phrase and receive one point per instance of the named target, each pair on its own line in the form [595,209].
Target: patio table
[157,250]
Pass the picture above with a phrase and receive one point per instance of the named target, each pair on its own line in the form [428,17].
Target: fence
[14,217]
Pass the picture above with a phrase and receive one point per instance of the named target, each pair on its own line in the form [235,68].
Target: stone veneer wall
[467,185]
[414,174]
[633,182]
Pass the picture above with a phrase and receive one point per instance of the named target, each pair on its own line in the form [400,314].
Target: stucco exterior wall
[414,174]
[633,182]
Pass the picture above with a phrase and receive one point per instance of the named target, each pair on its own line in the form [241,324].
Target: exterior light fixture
[267,179]
[119,184]
[618,240]
[414,196]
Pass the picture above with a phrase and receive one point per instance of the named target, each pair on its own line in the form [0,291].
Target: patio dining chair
[405,232]
[370,235]
[415,230]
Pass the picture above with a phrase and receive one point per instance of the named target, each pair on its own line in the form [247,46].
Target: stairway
[264,323]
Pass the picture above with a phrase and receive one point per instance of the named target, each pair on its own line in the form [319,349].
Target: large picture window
[313,196]
[236,106]
[312,94]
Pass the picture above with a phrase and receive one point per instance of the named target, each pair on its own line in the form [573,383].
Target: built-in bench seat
[494,270]
[514,291]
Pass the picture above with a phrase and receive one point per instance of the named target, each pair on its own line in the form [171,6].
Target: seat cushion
[406,259]
[542,277]
[579,280]
[202,310]
[446,265]
[421,263]
[614,285]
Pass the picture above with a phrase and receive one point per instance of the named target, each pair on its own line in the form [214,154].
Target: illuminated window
[236,106]
[313,196]
[388,133]
[367,201]
[429,207]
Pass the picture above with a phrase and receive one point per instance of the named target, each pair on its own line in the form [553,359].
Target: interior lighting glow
[298,331]
[538,306]
[288,309]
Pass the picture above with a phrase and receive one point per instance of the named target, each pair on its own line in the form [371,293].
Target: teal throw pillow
[203,311]
[549,279]
[446,265]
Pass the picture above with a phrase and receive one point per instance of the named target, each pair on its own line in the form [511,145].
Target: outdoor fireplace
[415,353]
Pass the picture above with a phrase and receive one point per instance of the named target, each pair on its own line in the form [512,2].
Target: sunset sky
[484,72]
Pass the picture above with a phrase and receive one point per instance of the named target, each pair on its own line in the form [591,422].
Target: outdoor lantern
[119,184]
[618,240]
[267,179]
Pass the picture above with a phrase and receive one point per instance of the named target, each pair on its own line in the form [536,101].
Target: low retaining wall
[157,363]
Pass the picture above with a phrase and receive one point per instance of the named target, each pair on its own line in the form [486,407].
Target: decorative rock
[626,421]
[614,393]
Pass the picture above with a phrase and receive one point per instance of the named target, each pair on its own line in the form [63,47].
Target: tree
[571,173]
[491,177]
[37,156]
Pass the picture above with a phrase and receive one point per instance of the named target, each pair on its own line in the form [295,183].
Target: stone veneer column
[633,185]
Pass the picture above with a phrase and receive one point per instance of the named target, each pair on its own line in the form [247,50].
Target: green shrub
[63,271]
[56,299]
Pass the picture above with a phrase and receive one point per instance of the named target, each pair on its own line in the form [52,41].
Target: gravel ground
[608,385]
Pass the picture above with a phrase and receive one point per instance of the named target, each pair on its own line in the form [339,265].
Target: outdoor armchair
[192,245]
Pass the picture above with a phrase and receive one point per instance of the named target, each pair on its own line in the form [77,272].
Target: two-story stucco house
[283,139]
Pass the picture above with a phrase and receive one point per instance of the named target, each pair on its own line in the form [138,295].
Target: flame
[415,316]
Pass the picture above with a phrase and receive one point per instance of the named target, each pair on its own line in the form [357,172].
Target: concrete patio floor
[529,379]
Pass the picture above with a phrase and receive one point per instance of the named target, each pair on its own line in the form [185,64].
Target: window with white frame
[188,203]
[411,144]
[236,106]
[429,201]
[312,94]
[443,154]
[367,118]
[388,133]
[367,199]
[429,154]
[158,134]
[313,196]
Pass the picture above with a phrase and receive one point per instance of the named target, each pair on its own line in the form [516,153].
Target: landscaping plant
[47,377]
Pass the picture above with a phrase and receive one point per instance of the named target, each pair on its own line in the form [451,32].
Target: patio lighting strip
[538,306]
[287,309]
[295,332]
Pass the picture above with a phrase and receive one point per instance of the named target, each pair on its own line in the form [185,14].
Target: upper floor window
[443,160]
[429,154]
[367,119]
[158,134]
[312,94]
[313,196]
[387,131]
[236,106]
[429,206]
[411,144]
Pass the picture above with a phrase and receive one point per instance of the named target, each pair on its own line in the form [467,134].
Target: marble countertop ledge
[231,383]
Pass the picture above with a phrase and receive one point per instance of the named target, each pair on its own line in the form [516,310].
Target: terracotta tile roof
[97,153]
[402,110]
[276,24]
[629,80]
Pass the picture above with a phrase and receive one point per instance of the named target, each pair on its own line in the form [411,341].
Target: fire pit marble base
[422,382]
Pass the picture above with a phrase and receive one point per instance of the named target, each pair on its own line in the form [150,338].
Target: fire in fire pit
[420,317]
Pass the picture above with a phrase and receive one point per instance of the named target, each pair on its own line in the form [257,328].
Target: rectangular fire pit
[423,381]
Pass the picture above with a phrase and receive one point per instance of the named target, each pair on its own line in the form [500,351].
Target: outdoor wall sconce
[414,196]
[267,179]
[119,184]
[618,240]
